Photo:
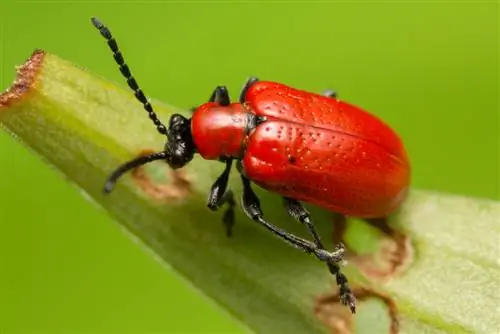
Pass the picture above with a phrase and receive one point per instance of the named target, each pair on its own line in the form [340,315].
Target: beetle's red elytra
[344,159]
[303,146]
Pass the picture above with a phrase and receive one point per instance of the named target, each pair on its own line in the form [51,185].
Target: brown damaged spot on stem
[339,320]
[394,256]
[26,77]
[178,188]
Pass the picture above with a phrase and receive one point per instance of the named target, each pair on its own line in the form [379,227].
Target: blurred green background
[430,69]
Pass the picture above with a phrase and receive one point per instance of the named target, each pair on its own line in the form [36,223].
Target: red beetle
[303,146]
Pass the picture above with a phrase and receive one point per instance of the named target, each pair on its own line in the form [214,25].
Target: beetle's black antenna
[110,183]
[139,94]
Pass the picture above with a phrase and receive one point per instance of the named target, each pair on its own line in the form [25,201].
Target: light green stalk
[85,126]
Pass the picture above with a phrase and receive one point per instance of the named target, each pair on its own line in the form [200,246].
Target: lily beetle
[306,147]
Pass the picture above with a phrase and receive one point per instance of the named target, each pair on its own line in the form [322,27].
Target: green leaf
[85,126]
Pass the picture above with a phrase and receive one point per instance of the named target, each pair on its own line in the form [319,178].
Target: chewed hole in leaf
[381,251]
[160,182]
[373,307]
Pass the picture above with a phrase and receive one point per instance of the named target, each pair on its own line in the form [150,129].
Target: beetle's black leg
[220,95]
[219,195]
[251,206]
[246,86]
[296,210]
[330,93]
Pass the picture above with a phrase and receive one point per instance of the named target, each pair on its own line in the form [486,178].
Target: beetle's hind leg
[219,195]
[297,211]
[251,206]
[330,93]
[250,81]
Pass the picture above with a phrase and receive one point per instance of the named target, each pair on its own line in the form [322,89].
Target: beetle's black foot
[346,296]
[350,301]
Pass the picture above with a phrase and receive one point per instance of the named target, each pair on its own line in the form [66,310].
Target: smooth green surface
[429,69]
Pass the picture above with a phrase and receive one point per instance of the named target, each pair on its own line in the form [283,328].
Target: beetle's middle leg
[249,83]
[219,195]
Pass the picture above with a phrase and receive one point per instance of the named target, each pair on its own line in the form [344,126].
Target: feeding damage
[178,187]
[339,321]
[394,254]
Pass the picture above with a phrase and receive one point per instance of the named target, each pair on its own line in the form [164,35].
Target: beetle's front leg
[219,195]
[297,211]
[220,95]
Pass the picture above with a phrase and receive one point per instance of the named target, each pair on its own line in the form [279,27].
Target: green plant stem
[85,127]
